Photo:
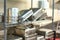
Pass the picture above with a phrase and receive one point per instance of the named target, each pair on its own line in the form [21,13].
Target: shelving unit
[7,25]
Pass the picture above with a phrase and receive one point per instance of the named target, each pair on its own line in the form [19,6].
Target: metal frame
[53,14]
[53,19]
[5,28]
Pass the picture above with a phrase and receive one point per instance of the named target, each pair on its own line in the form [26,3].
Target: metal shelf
[5,25]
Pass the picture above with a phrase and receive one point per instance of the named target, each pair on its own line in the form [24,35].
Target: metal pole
[53,14]
[53,19]
[5,29]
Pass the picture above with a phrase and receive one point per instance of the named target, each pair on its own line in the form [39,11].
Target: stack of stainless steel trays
[31,37]
[12,15]
[47,33]
[38,14]
[24,15]
[40,37]
[15,38]
[25,31]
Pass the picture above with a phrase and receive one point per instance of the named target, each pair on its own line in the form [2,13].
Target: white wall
[1,5]
[21,4]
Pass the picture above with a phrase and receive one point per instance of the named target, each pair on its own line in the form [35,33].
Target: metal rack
[5,24]
[53,19]
[5,27]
